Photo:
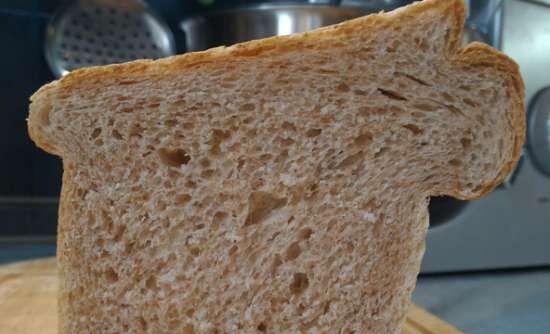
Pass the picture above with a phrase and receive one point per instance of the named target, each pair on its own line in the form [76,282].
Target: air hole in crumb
[116,135]
[173,323]
[299,283]
[480,119]
[182,199]
[233,250]
[172,311]
[447,97]
[247,107]
[96,133]
[219,217]
[326,307]
[206,174]
[265,157]
[383,150]
[276,264]
[425,106]
[286,141]
[392,95]
[111,276]
[262,327]
[261,205]
[142,323]
[305,233]
[413,128]
[120,229]
[205,162]
[363,139]
[288,126]
[351,160]
[218,137]
[151,283]
[465,142]
[170,122]
[454,162]
[413,78]
[136,130]
[293,251]
[313,133]
[173,157]
[343,88]
[470,102]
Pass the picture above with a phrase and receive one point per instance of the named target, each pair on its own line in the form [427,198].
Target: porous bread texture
[276,186]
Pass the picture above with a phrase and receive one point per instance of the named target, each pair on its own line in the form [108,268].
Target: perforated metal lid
[100,32]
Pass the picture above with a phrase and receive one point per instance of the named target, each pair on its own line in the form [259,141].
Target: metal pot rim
[272,7]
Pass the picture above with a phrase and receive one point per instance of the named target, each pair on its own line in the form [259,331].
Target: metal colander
[100,32]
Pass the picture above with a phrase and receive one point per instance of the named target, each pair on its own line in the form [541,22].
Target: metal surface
[539,130]
[511,226]
[100,32]
[485,19]
[260,21]
[376,4]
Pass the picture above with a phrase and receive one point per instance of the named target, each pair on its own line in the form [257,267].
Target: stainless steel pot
[259,21]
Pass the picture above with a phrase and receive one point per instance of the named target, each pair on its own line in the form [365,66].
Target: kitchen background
[487,265]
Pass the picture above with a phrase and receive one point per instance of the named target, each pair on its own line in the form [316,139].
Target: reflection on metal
[259,21]
[284,24]
[538,130]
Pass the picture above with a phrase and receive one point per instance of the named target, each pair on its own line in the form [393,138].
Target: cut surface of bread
[275,186]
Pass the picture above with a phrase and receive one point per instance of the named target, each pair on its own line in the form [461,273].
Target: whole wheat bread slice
[276,186]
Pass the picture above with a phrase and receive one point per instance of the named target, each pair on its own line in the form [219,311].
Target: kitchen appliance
[100,32]
[260,20]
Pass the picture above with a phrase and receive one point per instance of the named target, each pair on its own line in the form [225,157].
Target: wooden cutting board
[28,302]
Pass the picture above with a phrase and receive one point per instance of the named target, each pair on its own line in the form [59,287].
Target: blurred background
[471,246]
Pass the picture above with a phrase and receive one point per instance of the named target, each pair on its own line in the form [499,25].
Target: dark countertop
[501,302]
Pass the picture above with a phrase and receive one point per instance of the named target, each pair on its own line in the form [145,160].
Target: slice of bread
[276,186]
